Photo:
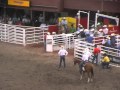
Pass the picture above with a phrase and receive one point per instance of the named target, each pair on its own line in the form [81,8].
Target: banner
[21,3]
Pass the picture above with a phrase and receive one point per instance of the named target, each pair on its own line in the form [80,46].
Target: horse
[88,69]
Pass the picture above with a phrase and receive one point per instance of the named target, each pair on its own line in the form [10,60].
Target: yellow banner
[23,3]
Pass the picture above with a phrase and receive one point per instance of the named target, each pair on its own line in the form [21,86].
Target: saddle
[83,68]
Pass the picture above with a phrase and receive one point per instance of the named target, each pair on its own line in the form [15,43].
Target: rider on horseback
[85,58]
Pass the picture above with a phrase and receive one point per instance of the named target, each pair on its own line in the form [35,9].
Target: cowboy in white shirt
[64,24]
[85,58]
[62,53]
[86,54]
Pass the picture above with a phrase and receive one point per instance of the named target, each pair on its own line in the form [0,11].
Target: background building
[55,8]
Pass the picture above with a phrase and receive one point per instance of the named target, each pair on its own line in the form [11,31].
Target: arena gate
[80,46]
[22,35]
[112,52]
[67,40]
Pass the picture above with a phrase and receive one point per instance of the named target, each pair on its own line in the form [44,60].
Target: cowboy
[89,38]
[85,58]
[96,52]
[92,29]
[105,30]
[72,28]
[64,24]
[79,29]
[105,61]
[108,42]
[62,53]
[113,40]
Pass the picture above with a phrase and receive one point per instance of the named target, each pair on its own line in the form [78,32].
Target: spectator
[104,41]
[92,29]
[87,32]
[41,19]
[108,42]
[82,34]
[100,32]
[10,21]
[105,30]
[64,24]
[72,28]
[113,40]
[79,29]
[89,38]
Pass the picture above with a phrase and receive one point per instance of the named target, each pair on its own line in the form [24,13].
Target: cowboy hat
[108,37]
[98,23]
[64,18]
[53,33]
[113,34]
[93,25]
[92,29]
[80,25]
[100,30]
[62,46]
[48,33]
[104,25]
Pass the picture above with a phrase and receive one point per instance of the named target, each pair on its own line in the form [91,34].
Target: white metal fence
[80,46]
[113,53]
[23,35]
[67,40]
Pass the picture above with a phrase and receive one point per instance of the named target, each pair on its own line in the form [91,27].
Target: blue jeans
[105,64]
[81,65]
[62,59]
[95,57]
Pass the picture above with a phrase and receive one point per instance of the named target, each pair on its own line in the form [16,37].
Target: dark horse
[88,69]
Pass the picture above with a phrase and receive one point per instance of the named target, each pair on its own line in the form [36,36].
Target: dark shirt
[89,39]
[82,34]
[113,41]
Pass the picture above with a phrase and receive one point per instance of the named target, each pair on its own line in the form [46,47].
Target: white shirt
[62,52]
[105,30]
[86,56]
[64,22]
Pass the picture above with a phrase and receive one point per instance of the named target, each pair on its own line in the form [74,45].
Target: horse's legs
[81,75]
[88,80]
[88,77]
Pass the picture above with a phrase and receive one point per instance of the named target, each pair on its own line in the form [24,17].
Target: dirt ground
[30,68]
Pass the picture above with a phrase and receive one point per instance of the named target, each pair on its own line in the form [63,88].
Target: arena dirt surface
[30,68]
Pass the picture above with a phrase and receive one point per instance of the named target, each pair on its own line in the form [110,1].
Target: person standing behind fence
[113,40]
[62,53]
[64,24]
[89,38]
[96,52]
[105,30]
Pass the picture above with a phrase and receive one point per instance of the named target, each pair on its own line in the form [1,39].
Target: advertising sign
[21,3]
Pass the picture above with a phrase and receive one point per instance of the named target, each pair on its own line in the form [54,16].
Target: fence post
[5,31]
[24,38]
[34,34]
[15,34]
